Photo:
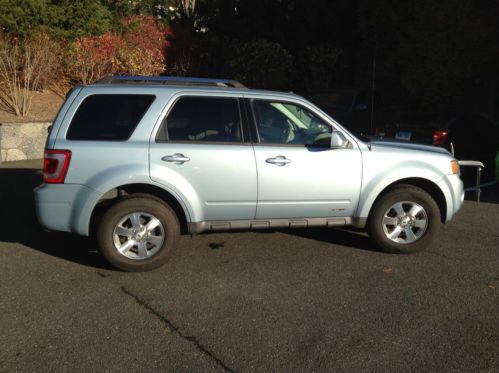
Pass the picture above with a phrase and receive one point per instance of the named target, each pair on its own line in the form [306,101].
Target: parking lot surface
[321,300]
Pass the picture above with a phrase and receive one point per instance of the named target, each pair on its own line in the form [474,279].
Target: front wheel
[404,220]
[138,233]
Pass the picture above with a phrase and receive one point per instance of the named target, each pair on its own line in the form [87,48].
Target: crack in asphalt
[442,256]
[177,331]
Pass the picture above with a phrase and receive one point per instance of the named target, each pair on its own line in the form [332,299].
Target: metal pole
[372,93]
[478,176]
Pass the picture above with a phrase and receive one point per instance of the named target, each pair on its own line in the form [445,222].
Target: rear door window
[202,119]
[108,117]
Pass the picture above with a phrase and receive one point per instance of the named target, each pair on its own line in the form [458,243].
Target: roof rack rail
[170,80]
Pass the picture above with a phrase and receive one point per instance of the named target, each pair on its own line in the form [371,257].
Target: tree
[126,8]
[23,18]
[183,37]
[80,18]
[426,52]
[263,64]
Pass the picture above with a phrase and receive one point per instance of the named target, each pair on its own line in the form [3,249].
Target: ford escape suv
[137,161]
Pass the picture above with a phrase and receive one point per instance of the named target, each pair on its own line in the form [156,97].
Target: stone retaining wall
[20,141]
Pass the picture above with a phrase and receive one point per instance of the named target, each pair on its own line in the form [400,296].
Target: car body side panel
[60,118]
[219,181]
[69,207]
[104,165]
[383,167]
[57,206]
[316,182]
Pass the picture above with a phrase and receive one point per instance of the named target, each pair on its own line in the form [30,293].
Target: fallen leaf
[491,286]
[387,269]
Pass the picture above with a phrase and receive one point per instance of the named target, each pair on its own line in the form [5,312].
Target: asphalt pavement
[285,301]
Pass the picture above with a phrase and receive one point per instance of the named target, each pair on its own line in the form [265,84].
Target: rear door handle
[280,160]
[177,158]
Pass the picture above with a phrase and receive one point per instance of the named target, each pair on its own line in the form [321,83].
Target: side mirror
[338,140]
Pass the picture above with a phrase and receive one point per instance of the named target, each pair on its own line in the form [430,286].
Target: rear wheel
[404,220]
[138,233]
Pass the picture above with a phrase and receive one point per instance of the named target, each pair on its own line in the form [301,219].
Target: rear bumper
[61,207]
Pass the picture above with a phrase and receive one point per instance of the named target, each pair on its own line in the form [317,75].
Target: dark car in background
[470,136]
[473,136]
[351,107]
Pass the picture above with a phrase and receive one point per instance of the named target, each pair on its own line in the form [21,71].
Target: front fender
[374,184]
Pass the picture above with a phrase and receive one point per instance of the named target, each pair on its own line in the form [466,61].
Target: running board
[231,225]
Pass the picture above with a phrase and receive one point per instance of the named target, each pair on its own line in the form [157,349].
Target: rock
[15,155]
[19,141]
[11,136]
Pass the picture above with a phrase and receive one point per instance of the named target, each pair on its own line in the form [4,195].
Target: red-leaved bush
[91,58]
[140,50]
[145,32]
[146,43]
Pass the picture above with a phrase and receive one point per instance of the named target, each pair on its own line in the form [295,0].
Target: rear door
[200,151]
[299,174]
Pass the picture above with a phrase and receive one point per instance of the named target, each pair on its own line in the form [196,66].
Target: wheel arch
[427,185]
[129,189]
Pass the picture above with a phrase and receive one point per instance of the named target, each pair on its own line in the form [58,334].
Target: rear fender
[108,180]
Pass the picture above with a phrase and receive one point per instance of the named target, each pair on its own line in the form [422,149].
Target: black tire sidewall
[398,194]
[124,207]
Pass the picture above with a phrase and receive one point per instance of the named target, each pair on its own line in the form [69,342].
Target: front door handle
[280,160]
[176,158]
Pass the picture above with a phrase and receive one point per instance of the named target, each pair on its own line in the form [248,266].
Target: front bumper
[453,189]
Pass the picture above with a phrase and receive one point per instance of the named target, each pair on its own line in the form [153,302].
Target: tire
[405,220]
[138,233]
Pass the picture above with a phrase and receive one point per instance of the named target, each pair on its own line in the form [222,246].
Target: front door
[299,174]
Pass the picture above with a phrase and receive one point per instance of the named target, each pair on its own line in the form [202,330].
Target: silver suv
[137,161]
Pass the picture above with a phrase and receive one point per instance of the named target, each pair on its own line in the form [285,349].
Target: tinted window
[202,119]
[286,123]
[108,117]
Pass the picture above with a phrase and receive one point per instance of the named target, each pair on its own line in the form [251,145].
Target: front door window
[289,124]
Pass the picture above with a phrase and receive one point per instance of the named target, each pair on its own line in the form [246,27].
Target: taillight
[440,137]
[55,166]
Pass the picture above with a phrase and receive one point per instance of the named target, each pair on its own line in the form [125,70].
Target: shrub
[26,65]
[139,51]
[91,58]
[322,61]
[263,64]
[144,31]
[144,49]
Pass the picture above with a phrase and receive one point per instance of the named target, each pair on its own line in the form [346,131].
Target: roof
[201,84]
[170,80]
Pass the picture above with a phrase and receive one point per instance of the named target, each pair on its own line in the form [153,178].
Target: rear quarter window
[108,117]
